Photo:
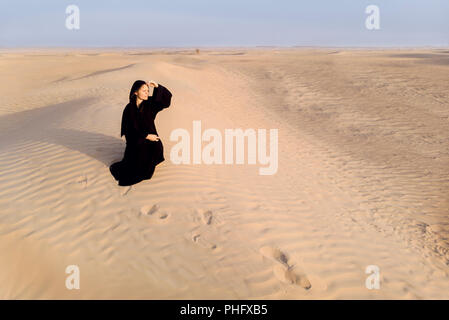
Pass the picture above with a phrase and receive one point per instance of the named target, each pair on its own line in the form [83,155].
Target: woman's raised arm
[161,98]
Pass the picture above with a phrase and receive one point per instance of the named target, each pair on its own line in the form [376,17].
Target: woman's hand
[153,84]
[152,137]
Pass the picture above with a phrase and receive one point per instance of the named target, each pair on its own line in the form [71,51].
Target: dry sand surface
[362,179]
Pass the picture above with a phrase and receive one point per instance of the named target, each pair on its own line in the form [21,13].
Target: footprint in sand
[274,254]
[283,271]
[206,217]
[163,215]
[195,237]
[204,243]
[149,210]
[154,211]
[290,276]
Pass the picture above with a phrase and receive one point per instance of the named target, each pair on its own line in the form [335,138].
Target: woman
[144,149]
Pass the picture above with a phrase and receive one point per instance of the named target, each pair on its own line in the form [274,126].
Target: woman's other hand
[152,137]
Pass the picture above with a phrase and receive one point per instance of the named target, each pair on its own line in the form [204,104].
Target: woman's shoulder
[127,110]
[128,106]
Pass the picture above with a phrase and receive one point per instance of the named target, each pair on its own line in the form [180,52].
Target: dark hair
[130,113]
[136,86]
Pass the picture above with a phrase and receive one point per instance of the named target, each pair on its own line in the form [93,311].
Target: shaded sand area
[363,176]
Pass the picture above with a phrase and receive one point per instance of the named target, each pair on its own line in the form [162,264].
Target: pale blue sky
[196,23]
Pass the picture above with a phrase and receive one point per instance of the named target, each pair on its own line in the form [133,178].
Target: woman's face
[143,92]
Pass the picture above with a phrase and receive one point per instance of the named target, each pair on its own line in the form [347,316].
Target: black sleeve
[132,135]
[161,98]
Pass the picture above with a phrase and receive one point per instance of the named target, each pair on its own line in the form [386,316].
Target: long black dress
[141,155]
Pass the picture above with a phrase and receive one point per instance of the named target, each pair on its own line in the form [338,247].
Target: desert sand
[363,176]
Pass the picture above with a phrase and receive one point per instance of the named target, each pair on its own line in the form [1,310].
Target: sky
[219,23]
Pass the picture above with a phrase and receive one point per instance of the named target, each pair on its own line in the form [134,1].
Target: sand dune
[362,179]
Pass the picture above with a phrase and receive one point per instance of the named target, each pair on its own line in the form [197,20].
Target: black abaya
[141,155]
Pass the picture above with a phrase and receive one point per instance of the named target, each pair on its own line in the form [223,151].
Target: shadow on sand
[41,125]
